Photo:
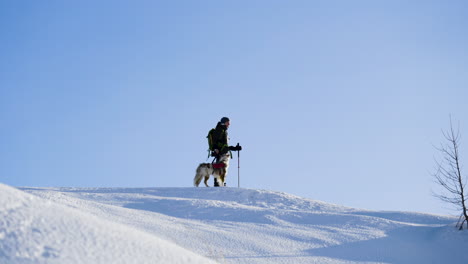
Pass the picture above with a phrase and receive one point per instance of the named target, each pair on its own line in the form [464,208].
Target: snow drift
[35,230]
[224,225]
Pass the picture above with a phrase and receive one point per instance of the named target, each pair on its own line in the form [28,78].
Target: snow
[36,230]
[209,225]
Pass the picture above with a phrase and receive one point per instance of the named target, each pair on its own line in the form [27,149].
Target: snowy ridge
[229,225]
[34,230]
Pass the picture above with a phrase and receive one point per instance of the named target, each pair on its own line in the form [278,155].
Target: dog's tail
[196,180]
[198,176]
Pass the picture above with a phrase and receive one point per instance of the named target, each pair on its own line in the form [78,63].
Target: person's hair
[224,120]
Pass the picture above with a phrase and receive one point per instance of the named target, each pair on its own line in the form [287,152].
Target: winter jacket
[222,139]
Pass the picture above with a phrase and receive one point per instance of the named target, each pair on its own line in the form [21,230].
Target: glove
[235,148]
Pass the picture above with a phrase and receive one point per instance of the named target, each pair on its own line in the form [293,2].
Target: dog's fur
[204,170]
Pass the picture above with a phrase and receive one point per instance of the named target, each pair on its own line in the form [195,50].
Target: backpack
[217,140]
[212,139]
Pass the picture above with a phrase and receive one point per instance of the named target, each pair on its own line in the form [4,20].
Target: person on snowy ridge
[218,141]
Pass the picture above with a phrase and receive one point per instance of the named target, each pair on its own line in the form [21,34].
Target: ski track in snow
[230,225]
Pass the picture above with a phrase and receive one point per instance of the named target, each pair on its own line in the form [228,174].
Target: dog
[218,170]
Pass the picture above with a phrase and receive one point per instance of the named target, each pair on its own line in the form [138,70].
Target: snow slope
[36,230]
[227,225]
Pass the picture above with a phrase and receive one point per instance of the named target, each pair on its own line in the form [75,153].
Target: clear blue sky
[339,101]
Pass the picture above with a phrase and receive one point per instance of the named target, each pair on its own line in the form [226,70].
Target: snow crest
[37,230]
[203,225]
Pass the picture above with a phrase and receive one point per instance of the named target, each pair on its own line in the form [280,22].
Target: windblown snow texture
[37,230]
[224,225]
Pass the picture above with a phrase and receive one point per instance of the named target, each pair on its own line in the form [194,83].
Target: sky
[338,101]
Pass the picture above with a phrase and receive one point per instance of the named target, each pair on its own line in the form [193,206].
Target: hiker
[218,141]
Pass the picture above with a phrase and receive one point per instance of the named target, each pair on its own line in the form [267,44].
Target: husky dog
[218,170]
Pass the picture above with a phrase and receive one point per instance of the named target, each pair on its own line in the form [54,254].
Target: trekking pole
[238,167]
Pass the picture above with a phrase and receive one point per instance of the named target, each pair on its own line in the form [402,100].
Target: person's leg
[215,182]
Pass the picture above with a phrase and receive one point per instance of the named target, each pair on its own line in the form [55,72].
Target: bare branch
[448,172]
